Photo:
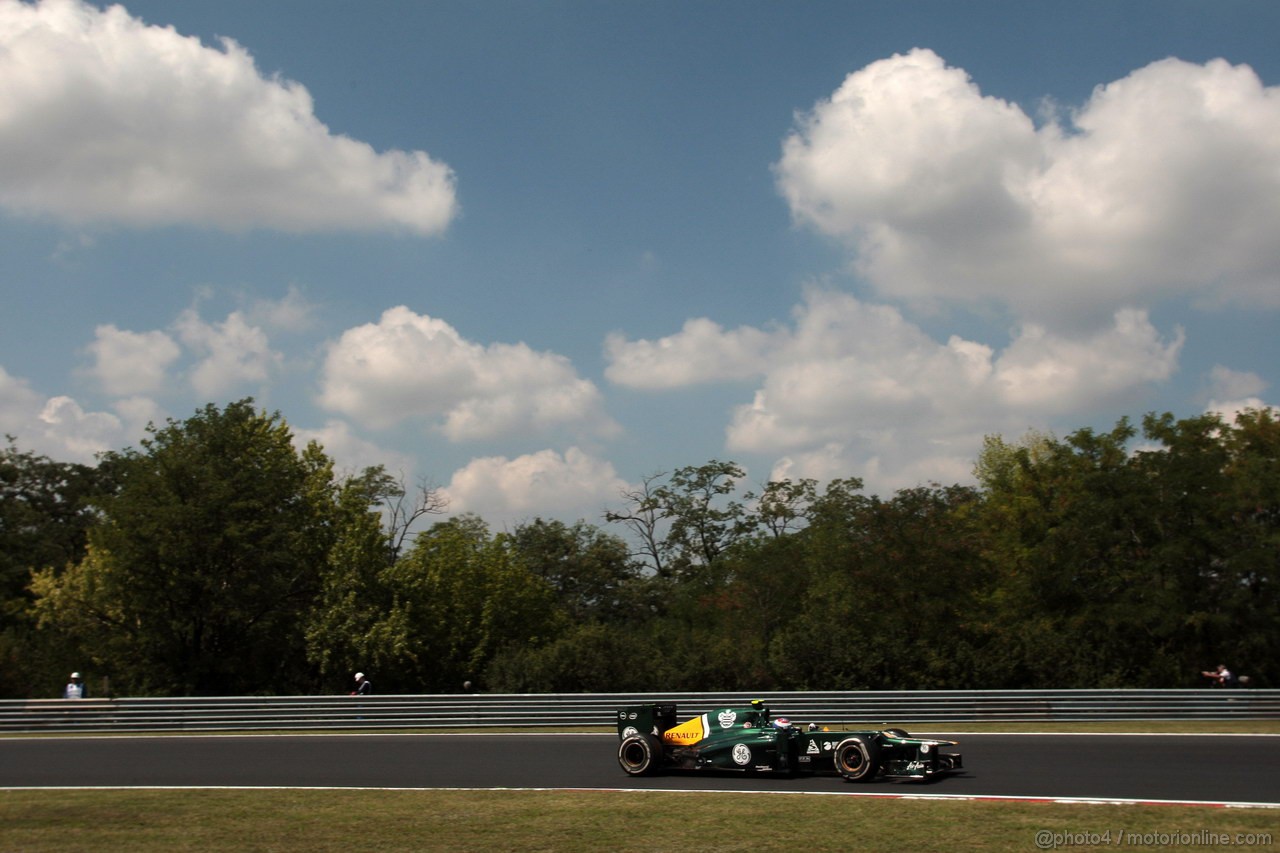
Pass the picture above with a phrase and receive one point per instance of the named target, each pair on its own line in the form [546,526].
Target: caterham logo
[727,719]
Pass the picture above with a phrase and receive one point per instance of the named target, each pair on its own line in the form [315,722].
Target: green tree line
[218,558]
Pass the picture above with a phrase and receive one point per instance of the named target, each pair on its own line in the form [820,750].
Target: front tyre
[640,754]
[857,760]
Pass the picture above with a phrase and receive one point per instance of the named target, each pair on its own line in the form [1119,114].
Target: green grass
[151,820]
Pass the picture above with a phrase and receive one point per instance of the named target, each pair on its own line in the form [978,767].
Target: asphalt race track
[1200,768]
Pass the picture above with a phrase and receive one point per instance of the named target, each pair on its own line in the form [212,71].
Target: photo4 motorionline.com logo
[1049,840]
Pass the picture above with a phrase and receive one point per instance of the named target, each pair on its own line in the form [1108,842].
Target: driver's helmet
[781,723]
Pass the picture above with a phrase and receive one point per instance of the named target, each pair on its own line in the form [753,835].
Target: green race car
[652,739]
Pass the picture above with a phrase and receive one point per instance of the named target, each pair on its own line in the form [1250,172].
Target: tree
[1124,568]
[465,598]
[894,592]
[587,658]
[705,521]
[644,518]
[206,561]
[401,511]
[357,623]
[688,523]
[782,505]
[1218,537]
[45,514]
[590,571]
[1252,578]
[1071,523]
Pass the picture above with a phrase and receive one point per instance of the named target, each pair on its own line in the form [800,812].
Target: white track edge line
[1013,798]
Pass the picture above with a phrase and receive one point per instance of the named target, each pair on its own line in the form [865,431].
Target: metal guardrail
[570,710]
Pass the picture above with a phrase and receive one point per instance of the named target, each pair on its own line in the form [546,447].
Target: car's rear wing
[653,719]
[662,719]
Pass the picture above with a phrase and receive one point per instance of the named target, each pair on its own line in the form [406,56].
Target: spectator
[1221,677]
[75,687]
[363,686]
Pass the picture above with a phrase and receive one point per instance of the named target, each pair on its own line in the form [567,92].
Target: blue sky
[537,251]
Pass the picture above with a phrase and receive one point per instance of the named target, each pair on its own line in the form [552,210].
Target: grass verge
[284,820]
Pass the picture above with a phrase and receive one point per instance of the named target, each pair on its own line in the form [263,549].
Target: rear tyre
[856,759]
[640,754]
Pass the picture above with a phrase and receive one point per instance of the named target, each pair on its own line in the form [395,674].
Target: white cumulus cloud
[851,386]
[700,352]
[1166,182]
[126,363]
[104,118]
[351,453]
[1226,383]
[412,366]
[858,372]
[231,353]
[78,433]
[291,313]
[545,482]
[1234,391]
[18,404]
[1043,372]
[61,428]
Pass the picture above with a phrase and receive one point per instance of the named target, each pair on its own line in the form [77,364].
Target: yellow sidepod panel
[688,733]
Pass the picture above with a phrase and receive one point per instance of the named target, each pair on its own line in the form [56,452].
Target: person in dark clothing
[363,686]
[1221,677]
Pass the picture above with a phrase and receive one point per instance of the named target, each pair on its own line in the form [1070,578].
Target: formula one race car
[749,739]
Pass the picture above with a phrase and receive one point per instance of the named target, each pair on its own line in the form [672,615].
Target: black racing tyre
[896,733]
[640,754]
[856,759]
